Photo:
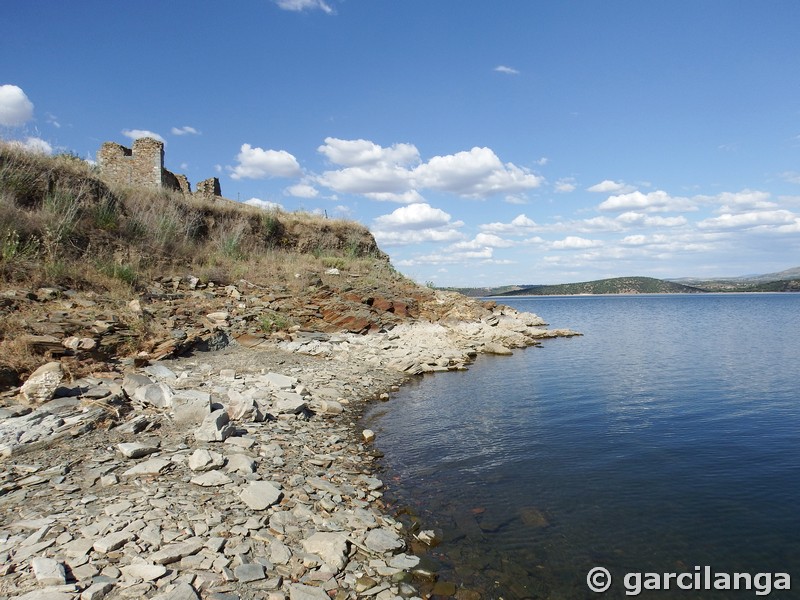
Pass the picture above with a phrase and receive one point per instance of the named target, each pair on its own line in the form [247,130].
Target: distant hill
[782,281]
[746,283]
[616,285]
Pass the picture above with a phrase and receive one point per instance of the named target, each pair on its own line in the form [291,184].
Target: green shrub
[122,272]
[273,321]
[12,248]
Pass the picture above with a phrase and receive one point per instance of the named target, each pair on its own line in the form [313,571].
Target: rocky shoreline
[238,473]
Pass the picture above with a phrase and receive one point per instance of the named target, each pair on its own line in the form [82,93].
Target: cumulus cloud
[477,173]
[643,220]
[414,216]
[610,187]
[658,201]
[573,242]
[393,181]
[480,241]
[416,223]
[257,163]
[301,5]
[745,200]
[407,197]
[482,256]
[263,204]
[34,144]
[397,174]
[506,70]
[749,220]
[565,185]
[302,190]
[135,134]
[185,130]
[15,107]
[356,153]
[519,225]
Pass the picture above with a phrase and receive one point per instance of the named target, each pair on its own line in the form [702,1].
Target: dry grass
[61,225]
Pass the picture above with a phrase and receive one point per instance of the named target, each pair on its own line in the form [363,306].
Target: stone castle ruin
[143,166]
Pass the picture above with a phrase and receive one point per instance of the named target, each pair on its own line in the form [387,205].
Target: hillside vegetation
[785,281]
[61,225]
[617,285]
[94,272]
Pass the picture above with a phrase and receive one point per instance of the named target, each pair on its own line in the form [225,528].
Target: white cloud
[263,204]
[791,176]
[634,218]
[516,199]
[135,134]
[357,153]
[566,185]
[572,242]
[746,200]
[610,187]
[480,241]
[749,220]
[401,238]
[407,197]
[375,179]
[34,144]
[185,130]
[658,201]
[300,5]
[416,223]
[257,163]
[519,225]
[15,107]
[601,223]
[414,216]
[390,174]
[506,70]
[477,173]
[790,228]
[468,256]
[53,120]
[302,190]
[634,240]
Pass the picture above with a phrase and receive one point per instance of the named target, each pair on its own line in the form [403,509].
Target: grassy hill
[617,285]
[114,271]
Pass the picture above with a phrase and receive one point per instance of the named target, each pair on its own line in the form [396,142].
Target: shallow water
[663,439]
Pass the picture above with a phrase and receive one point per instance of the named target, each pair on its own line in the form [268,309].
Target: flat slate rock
[154,466]
[143,571]
[211,479]
[260,495]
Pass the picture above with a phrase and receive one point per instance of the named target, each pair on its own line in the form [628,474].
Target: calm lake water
[663,439]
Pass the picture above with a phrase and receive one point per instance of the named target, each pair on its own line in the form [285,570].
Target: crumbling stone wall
[208,189]
[143,166]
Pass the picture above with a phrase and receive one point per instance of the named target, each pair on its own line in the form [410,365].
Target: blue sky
[483,143]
